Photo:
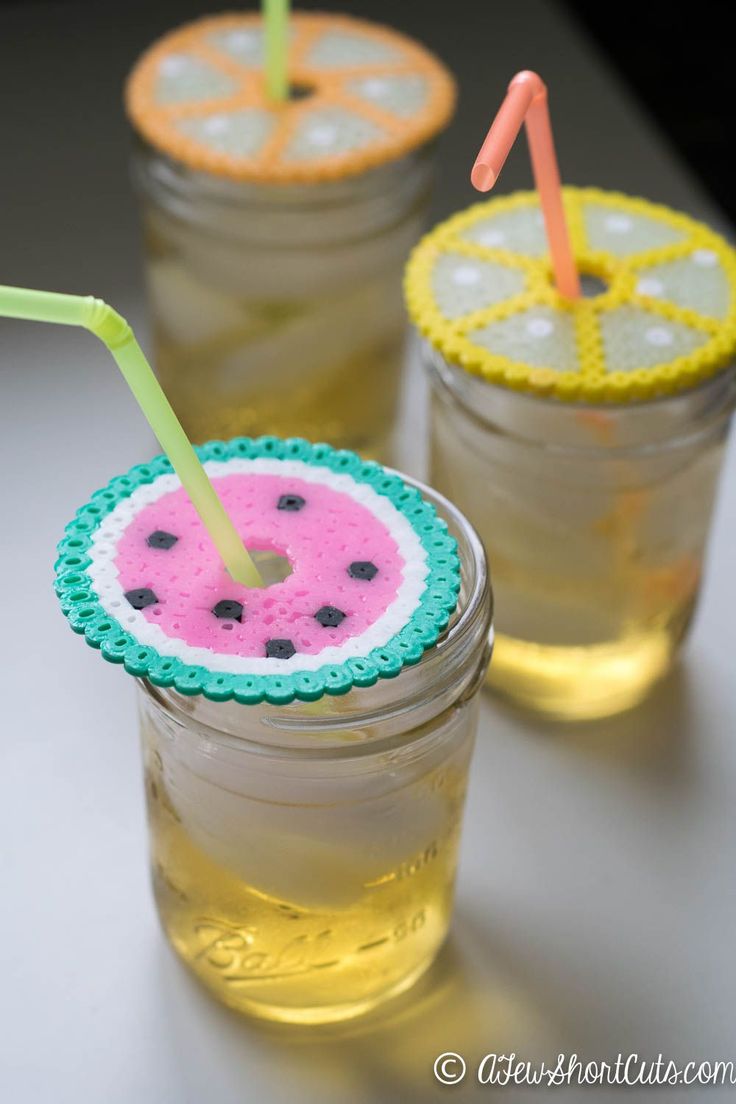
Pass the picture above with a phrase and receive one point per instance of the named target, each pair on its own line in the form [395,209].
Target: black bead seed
[161,539]
[292,502]
[280,649]
[329,616]
[362,569]
[229,609]
[141,598]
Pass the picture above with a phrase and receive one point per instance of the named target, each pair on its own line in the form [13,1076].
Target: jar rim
[721,387]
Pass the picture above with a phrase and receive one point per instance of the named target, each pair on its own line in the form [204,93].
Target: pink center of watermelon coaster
[346,568]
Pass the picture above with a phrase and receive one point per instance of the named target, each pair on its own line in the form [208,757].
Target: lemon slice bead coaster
[662,319]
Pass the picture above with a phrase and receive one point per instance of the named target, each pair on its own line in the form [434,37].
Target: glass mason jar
[277,308]
[595,519]
[304,856]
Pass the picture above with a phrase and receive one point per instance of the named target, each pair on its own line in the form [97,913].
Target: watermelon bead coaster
[375,574]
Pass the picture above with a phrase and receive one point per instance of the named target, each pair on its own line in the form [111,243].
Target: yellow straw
[114,331]
[276,25]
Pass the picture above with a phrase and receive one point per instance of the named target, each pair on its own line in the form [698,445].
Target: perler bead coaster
[375,574]
[362,95]
[479,287]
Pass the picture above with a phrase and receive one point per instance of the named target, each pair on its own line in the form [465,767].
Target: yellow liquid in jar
[581,682]
[265,342]
[310,963]
[349,402]
[595,570]
[593,644]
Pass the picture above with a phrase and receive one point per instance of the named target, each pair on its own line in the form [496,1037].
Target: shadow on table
[653,739]
[469,1002]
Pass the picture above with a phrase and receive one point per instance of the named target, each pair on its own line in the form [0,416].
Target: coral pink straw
[526,102]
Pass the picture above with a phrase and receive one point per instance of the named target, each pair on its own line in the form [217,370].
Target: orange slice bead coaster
[361,95]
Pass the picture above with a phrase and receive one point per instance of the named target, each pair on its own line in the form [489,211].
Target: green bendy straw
[114,331]
[276,24]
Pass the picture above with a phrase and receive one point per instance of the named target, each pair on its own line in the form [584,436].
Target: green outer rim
[81,605]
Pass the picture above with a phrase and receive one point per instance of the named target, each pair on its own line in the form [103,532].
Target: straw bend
[526,104]
[112,329]
[523,91]
[71,310]
[105,322]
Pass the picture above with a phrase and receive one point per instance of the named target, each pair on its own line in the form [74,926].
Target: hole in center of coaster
[591,286]
[272,566]
[300,91]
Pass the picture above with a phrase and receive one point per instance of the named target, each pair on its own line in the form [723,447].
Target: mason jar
[596,521]
[304,856]
[582,437]
[276,230]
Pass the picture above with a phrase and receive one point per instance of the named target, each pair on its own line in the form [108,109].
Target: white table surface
[596,904]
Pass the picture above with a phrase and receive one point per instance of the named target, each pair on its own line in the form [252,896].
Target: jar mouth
[448,673]
[685,418]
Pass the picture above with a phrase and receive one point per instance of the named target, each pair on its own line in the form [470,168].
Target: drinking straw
[526,102]
[276,24]
[114,331]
